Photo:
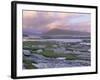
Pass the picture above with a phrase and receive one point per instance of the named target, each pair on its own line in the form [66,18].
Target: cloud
[38,21]
[43,21]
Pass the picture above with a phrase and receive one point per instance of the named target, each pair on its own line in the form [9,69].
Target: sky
[42,21]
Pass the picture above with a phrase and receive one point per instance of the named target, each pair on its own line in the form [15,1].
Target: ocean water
[62,40]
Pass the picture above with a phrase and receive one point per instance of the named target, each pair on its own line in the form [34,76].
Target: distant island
[58,34]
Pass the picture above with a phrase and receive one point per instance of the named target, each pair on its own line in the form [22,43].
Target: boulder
[26,52]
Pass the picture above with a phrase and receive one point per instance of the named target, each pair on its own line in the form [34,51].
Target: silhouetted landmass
[65,32]
[58,33]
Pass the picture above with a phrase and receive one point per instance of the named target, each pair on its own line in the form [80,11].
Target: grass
[33,45]
[49,46]
[52,54]
[71,57]
[46,53]
[49,53]
[28,64]
[30,43]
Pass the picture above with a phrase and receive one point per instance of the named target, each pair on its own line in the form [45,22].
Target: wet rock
[26,52]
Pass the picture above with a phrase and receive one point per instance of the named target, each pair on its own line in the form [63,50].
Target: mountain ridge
[65,32]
